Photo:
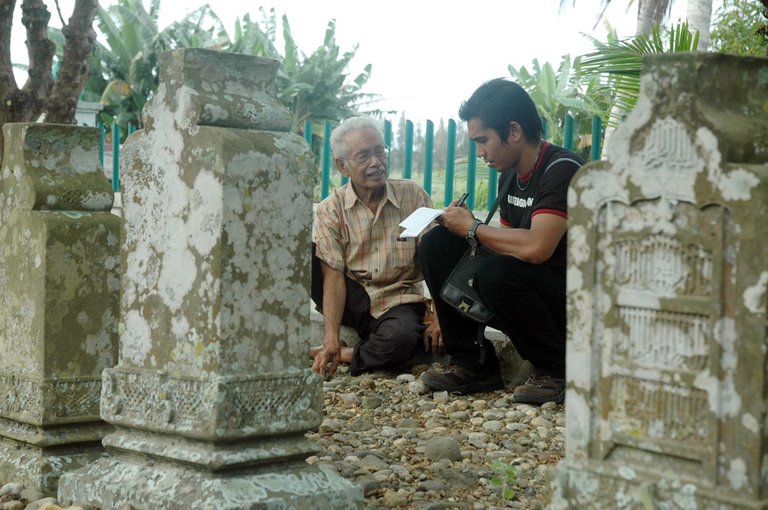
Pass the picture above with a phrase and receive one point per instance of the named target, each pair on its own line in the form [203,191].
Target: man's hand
[457,220]
[330,353]
[433,337]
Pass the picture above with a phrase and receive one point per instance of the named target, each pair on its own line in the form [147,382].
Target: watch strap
[472,232]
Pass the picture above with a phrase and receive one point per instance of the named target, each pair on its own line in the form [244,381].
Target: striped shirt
[366,247]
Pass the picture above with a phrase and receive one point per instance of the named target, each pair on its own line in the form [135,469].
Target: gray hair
[339,146]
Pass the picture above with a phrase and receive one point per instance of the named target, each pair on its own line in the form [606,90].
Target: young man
[524,285]
[364,274]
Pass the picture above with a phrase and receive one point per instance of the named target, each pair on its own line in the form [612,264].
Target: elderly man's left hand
[433,337]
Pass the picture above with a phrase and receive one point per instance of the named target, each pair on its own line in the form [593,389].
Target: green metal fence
[329,173]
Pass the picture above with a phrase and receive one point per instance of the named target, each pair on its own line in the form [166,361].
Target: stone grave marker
[59,283]
[668,268]
[212,395]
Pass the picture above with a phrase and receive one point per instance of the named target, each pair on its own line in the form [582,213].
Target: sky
[427,55]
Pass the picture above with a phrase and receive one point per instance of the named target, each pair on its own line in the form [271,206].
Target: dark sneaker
[457,379]
[539,389]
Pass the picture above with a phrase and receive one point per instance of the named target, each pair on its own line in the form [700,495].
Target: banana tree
[129,59]
[318,86]
[560,93]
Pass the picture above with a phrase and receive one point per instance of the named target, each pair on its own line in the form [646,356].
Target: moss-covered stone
[667,304]
[59,274]
[212,382]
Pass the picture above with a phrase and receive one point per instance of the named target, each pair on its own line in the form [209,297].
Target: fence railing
[484,185]
[329,172]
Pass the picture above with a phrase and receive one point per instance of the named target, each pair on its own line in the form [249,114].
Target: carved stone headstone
[668,269]
[211,397]
[59,283]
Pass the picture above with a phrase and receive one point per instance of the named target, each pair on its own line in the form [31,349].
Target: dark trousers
[386,342]
[528,302]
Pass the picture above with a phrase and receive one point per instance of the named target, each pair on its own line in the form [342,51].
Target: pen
[462,199]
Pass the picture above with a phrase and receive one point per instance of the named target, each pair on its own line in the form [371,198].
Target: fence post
[471,171]
[388,141]
[450,162]
[326,175]
[102,133]
[408,163]
[568,133]
[493,184]
[596,137]
[308,132]
[115,157]
[429,144]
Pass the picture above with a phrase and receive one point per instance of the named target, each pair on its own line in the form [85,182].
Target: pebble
[409,448]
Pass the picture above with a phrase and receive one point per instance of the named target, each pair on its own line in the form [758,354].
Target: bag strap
[502,193]
[506,185]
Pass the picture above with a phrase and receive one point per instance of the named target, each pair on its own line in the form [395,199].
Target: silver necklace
[517,178]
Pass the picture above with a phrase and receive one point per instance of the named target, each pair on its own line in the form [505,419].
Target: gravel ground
[412,449]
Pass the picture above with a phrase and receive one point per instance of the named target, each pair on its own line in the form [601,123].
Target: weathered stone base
[209,456]
[121,480]
[614,487]
[39,467]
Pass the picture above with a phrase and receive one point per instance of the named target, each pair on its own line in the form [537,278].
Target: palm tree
[699,18]
[618,63]
[654,12]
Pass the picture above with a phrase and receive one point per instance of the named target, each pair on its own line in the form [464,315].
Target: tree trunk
[650,13]
[79,38]
[699,19]
[40,95]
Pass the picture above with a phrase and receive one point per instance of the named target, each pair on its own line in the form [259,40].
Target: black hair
[499,102]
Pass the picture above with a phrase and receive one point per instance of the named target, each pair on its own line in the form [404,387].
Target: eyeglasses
[381,152]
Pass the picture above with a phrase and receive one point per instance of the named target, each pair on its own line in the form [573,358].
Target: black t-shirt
[544,190]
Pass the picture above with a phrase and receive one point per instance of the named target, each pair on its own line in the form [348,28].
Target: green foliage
[317,86]
[617,64]
[201,28]
[737,28]
[124,69]
[563,92]
[505,478]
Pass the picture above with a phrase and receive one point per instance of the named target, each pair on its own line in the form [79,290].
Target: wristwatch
[471,236]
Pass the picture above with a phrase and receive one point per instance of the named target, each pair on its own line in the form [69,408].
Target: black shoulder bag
[458,290]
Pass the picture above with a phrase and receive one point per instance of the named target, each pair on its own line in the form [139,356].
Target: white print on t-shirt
[519,202]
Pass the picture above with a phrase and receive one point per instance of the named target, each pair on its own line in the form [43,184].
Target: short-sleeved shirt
[367,247]
[544,190]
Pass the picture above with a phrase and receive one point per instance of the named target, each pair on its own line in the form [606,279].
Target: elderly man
[364,274]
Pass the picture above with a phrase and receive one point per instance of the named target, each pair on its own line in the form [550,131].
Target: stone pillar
[668,268]
[59,286]
[211,397]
